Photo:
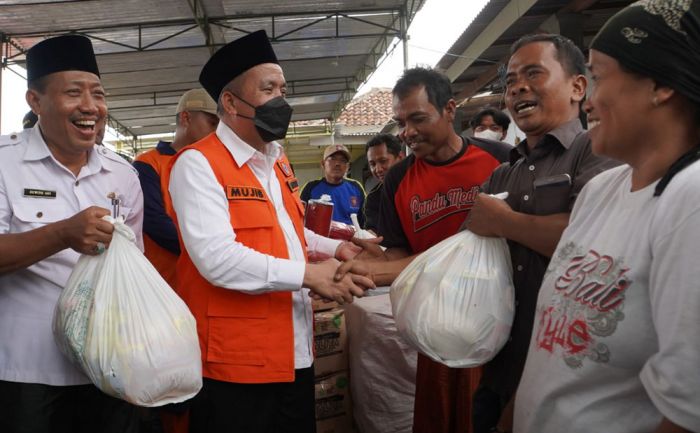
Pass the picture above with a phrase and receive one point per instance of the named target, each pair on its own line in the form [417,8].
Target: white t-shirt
[615,344]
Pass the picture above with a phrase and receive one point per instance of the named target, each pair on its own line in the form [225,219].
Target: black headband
[659,39]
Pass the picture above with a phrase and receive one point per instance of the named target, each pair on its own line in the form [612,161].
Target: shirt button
[519,267]
[77,182]
[526,197]
[532,168]
[13,136]
[39,214]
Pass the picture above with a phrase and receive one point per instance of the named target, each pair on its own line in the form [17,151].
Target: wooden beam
[473,87]
[512,12]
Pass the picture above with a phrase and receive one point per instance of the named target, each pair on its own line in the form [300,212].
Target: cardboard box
[317,306]
[333,404]
[330,342]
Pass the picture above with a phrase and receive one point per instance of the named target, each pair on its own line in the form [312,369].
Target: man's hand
[85,230]
[369,250]
[320,279]
[487,216]
[355,267]
[347,251]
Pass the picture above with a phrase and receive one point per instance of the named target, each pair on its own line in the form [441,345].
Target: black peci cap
[235,58]
[62,53]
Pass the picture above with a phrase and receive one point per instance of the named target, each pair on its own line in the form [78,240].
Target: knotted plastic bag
[126,328]
[455,302]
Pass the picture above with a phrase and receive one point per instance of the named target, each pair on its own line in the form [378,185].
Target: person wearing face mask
[56,185]
[490,124]
[242,269]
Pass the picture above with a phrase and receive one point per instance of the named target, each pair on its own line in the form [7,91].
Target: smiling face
[617,101]
[380,160]
[423,128]
[71,108]
[540,94]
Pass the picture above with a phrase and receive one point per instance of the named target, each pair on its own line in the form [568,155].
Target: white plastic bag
[126,328]
[455,302]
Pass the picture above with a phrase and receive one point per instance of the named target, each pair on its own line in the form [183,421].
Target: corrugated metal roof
[594,14]
[151,51]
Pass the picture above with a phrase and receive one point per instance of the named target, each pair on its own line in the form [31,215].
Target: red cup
[318,216]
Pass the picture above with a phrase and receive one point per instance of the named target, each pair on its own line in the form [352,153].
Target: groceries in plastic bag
[126,328]
[455,302]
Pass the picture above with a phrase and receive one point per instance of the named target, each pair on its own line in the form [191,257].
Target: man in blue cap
[55,186]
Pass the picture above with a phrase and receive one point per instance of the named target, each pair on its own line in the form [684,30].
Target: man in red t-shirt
[426,198]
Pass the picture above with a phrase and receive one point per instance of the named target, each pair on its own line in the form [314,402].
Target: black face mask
[271,118]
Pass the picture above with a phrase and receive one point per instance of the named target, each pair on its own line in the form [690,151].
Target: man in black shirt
[545,84]
[383,151]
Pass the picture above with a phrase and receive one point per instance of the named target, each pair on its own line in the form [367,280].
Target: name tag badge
[293,184]
[245,193]
[285,168]
[39,193]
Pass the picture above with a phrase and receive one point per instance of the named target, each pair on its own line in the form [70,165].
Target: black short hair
[437,85]
[499,117]
[38,84]
[392,142]
[568,54]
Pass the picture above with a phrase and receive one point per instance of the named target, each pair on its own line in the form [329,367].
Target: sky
[433,31]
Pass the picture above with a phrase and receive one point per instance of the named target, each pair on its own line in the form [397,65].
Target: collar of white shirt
[37,149]
[241,151]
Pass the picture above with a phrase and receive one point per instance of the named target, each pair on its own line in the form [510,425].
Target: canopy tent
[151,51]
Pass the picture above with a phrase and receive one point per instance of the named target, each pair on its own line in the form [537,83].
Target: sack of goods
[455,302]
[126,328]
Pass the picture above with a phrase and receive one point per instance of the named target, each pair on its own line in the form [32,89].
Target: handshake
[347,276]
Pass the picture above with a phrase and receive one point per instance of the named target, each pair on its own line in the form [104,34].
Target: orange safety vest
[244,338]
[163,260]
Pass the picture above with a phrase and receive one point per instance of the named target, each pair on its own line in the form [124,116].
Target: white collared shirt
[203,216]
[28,296]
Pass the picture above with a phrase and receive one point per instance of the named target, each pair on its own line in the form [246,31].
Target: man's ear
[580,82]
[228,103]
[450,110]
[184,118]
[33,99]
